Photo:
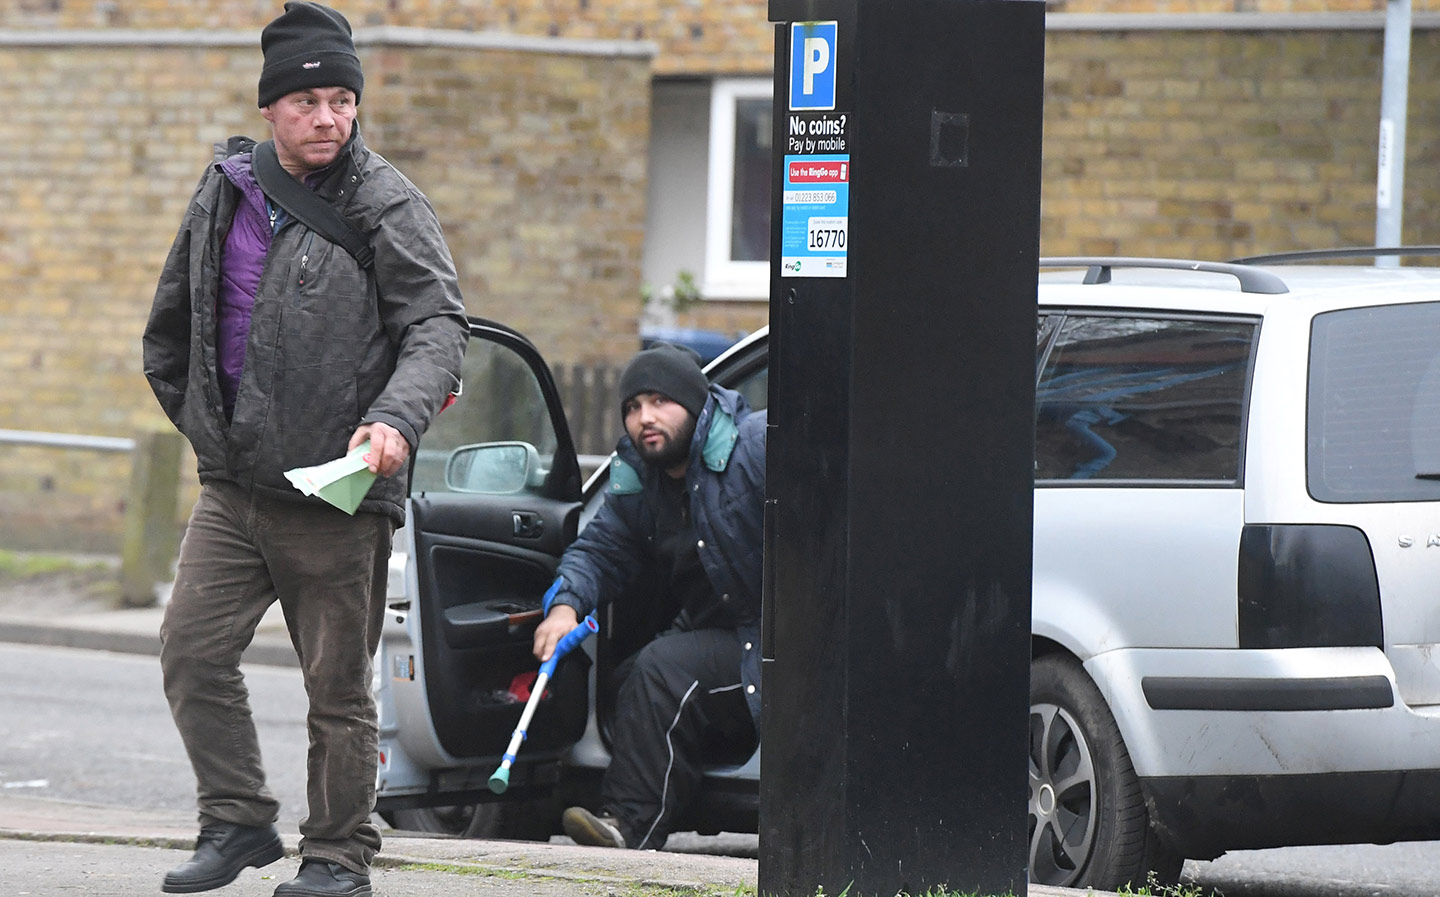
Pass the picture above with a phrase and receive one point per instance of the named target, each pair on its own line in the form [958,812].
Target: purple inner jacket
[241,263]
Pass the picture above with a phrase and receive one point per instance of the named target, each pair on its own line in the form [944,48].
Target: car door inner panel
[480,593]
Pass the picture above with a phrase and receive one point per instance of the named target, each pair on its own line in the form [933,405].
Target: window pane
[755,387]
[502,402]
[1142,398]
[1374,406]
[750,203]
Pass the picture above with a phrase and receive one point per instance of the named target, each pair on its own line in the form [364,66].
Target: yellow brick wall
[714,36]
[1223,6]
[534,161]
[536,164]
[1221,144]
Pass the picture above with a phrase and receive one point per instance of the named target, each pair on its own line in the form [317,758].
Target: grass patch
[27,565]
[640,890]
[612,889]
[1152,888]
[24,574]
[461,869]
[938,891]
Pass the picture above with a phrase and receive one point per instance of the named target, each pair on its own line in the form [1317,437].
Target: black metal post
[905,239]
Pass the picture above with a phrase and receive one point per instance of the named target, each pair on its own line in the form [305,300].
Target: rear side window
[1135,398]
[1374,405]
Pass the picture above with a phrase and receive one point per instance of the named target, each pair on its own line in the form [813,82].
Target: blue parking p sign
[812,65]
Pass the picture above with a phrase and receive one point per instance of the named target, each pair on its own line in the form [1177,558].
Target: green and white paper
[342,482]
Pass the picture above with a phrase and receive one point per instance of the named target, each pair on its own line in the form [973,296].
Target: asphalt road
[1352,870]
[93,726]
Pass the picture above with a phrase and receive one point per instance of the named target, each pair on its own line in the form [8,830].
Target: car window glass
[483,442]
[754,385]
[1142,398]
[1044,328]
[1374,404]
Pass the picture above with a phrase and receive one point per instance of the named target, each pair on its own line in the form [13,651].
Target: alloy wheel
[1062,797]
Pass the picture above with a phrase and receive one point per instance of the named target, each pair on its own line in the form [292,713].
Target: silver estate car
[1236,625]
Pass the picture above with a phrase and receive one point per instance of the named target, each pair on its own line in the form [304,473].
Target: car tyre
[533,820]
[1088,823]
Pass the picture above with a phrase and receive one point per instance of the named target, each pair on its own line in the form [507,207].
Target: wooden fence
[591,405]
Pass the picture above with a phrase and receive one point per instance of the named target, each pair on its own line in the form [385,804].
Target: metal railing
[67,440]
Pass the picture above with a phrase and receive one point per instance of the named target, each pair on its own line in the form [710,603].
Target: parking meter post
[905,239]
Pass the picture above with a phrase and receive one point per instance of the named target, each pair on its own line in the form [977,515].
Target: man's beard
[675,451]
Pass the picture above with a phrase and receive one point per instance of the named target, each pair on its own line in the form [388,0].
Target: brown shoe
[591,830]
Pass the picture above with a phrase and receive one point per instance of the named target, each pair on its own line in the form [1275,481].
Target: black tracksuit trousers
[677,694]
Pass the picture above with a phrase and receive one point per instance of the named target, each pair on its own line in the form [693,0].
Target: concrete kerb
[134,631]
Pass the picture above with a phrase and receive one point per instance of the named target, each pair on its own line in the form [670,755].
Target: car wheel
[1089,827]
[534,820]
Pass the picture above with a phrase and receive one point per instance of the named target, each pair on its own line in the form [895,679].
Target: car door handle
[528,524]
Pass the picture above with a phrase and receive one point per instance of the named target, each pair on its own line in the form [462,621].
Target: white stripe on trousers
[665,787]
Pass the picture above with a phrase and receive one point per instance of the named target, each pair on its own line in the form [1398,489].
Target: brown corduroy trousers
[241,553]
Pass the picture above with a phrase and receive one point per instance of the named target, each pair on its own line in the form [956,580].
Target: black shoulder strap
[309,207]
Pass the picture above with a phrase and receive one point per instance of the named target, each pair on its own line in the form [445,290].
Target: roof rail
[1311,255]
[1098,270]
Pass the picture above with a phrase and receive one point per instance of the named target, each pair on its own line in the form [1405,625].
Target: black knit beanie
[309,45]
[673,371]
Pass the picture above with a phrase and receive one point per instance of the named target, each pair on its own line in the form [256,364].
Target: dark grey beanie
[309,45]
[671,370]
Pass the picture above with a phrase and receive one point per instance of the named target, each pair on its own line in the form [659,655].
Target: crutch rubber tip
[500,781]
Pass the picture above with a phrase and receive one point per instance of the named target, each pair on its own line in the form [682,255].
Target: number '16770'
[827,238]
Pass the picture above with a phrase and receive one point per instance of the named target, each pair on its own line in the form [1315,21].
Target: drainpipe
[1394,89]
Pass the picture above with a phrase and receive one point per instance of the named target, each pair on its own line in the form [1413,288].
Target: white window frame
[726,279]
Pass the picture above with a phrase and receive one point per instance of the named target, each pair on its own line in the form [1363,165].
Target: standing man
[685,509]
[271,348]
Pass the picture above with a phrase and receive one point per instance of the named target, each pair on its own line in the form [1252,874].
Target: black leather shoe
[221,851]
[319,878]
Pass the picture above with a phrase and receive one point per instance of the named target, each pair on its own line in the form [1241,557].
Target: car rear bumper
[1251,714]
[1205,816]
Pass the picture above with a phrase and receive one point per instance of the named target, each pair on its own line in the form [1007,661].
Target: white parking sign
[812,65]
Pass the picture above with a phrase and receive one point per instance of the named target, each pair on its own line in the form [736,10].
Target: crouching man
[685,509]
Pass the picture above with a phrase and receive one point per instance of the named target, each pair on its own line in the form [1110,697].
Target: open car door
[494,501]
